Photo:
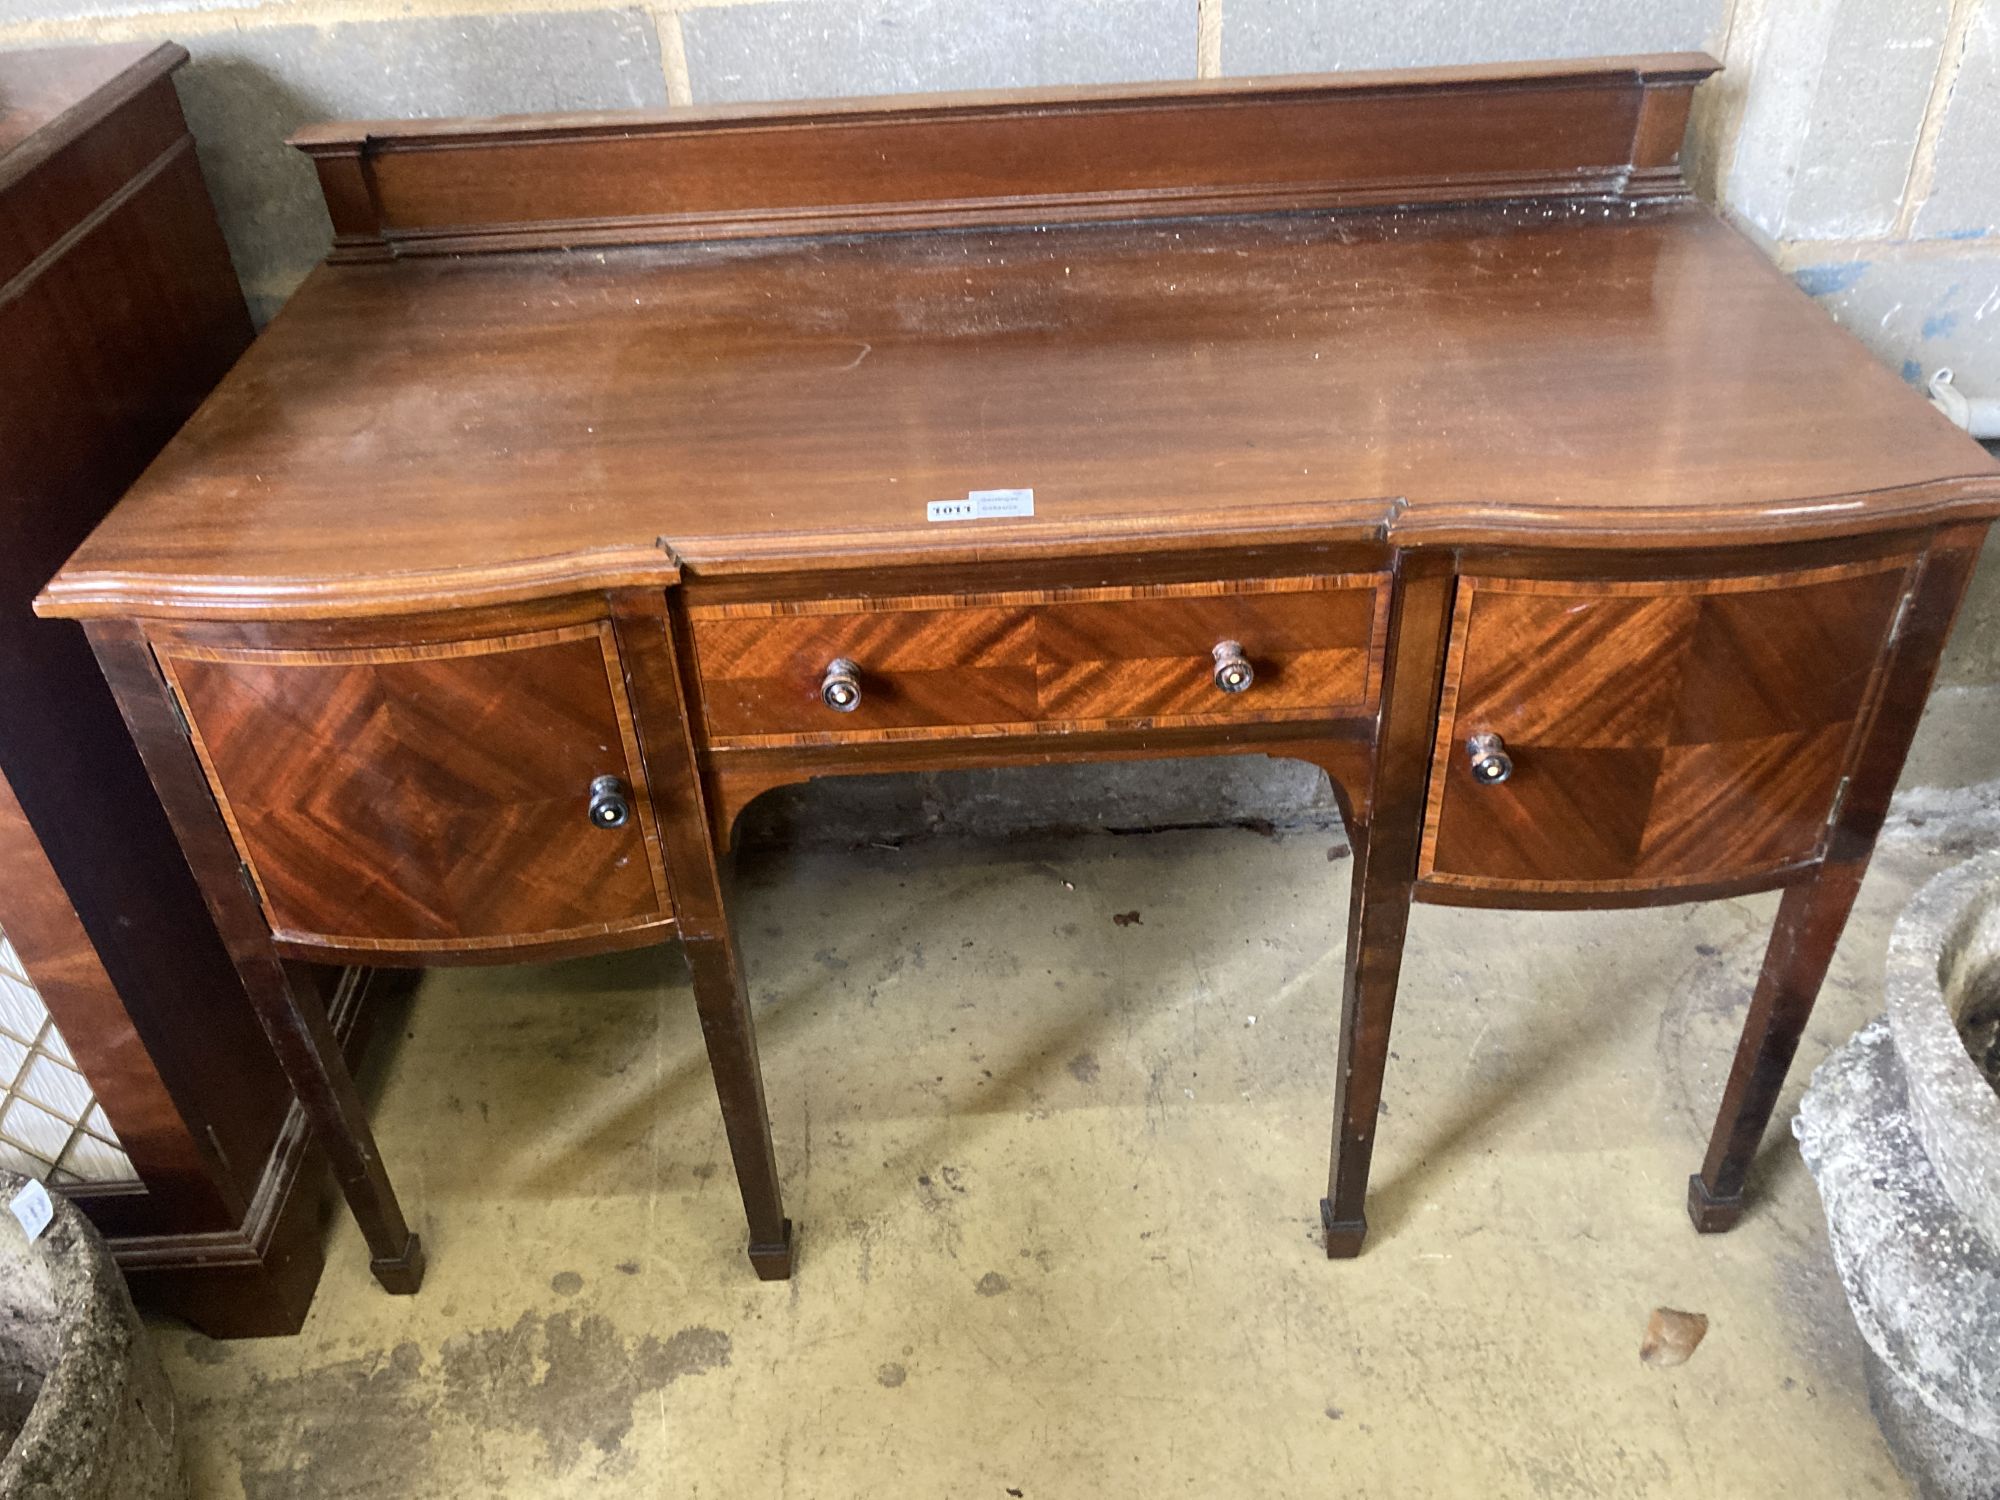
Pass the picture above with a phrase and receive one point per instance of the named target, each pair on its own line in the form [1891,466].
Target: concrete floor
[1056,1175]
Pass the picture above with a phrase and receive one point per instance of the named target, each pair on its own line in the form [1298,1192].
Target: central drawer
[821,671]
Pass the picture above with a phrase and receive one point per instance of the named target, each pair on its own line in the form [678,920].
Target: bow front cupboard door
[1648,735]
[429,798]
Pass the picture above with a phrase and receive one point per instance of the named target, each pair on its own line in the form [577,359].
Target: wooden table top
[477,429]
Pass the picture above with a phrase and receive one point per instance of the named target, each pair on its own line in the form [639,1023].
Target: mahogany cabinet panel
[1119,152]
[1056,660]
[119,312]
[426,797]
[1661,732]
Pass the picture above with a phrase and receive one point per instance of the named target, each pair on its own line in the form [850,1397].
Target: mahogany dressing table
[617,468]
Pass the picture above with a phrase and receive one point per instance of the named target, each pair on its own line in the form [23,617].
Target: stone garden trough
[1901,1130]
[83,1399]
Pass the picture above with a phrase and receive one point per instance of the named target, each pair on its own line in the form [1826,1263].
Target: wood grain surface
[1055,661]
[1662,733]
[1606,127]
[428,433]
[51,96]
[428,798]
[119,311]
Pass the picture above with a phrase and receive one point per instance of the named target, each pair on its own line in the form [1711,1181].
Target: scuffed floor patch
[370,1426]
[1057,1206]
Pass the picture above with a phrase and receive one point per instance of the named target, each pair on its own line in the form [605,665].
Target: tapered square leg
[297,1025]
[1711,1215]
[651,644]
[1343,1236]
[1810,920]
[1814,912]
[1378,915]
[293,1018]
[739,1086]
[401,1274]
[773,1262]
[1384,883]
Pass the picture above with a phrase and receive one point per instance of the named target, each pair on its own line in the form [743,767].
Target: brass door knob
[1491,764]
[1233,672]
[840,689]
[610,803]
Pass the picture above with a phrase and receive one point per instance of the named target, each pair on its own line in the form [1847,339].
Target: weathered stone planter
[1900,1129]
[82,1394]
[1944,973]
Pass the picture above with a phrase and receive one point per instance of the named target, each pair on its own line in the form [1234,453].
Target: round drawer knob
[610,803]
[1491,764]
[1233,672]
[840,689]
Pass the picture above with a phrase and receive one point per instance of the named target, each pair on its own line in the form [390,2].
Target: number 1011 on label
[982,505]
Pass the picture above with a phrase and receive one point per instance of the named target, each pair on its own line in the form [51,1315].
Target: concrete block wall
[1858,140]
[1852,137]
[262,67]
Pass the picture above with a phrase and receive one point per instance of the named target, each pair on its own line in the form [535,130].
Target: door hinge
[180,713]
[1839,801]
[1902,616]
[249,883]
